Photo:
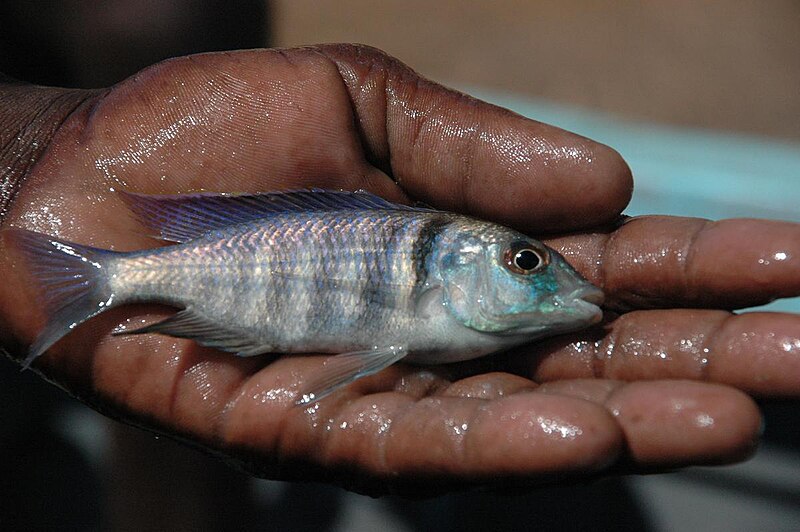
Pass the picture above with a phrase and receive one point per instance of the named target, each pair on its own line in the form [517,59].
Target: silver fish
[319,272]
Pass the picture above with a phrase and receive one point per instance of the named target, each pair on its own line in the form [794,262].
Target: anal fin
[343,369]
[189,324]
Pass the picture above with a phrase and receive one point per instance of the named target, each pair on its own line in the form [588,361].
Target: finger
[755,352]
[462,154]
[674,423]
[391,434]
[656,261]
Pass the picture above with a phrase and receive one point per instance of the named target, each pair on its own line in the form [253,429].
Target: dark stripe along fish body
[318,271]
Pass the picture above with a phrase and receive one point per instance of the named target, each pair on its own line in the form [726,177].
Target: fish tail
[73,281]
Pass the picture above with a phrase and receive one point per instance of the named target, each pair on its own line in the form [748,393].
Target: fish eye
[526,258]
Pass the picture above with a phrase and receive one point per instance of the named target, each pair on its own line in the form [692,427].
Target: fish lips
[581,308]
[586,300]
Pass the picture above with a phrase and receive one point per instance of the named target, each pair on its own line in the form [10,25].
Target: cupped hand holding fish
[647,389]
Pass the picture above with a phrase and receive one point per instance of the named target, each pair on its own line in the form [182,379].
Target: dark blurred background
[720,66]
[88,44]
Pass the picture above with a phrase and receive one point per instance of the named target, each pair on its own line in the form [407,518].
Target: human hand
[644,391]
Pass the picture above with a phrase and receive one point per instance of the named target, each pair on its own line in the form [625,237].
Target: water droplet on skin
[587,346]
[691,347]
[551,426]
[704,421]
[559,428]
[279,394]
[199,376]
[779,256]
[174,359]
[640,348]
[42,216]
[456,428]
[489,390]
[790,345]
[372,420]
[609,350]
[679,405]
[143,147]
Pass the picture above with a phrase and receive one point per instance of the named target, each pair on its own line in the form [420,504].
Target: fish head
[499,281]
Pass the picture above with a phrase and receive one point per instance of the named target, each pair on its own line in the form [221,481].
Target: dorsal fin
[183,217]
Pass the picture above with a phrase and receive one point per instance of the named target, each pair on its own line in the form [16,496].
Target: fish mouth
[581,305]
[589,294]
[586,300]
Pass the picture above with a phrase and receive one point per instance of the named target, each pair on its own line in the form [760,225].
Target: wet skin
[662,383]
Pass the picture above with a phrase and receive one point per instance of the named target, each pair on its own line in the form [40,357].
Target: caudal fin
[73,283]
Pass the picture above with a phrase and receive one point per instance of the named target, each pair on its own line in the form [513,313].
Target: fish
[317,271]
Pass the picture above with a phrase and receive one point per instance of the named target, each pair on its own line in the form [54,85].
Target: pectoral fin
[343,369]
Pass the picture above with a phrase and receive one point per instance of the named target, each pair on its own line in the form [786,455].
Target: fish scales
[282,282]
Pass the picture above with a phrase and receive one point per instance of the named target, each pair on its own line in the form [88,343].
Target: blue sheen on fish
[319,272]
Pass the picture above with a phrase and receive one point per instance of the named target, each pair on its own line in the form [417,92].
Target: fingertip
[617,182]
[594,180]
[679,423]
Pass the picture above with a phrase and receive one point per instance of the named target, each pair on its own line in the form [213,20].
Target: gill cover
[468,288]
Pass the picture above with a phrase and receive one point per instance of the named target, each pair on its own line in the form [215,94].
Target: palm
[266,120]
